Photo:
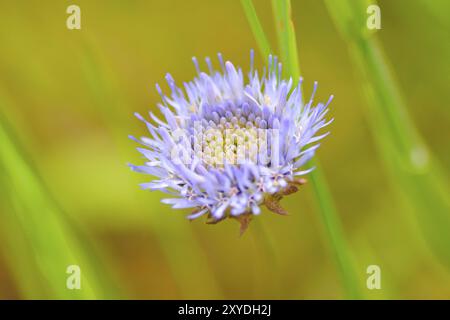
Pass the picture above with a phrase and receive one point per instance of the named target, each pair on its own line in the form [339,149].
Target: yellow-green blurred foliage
[69,98]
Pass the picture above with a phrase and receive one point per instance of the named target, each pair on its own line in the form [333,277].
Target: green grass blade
[412,167]
[255,25]
[47,236]
[328,213]
[334,232]
[286,38]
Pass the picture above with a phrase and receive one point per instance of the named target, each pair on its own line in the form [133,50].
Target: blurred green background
[67,99]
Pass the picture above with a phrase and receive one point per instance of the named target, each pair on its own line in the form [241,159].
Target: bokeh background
[67,99]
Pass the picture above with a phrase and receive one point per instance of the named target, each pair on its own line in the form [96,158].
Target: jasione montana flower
[229,144]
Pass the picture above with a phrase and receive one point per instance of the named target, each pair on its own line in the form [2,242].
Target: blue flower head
[227,144]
